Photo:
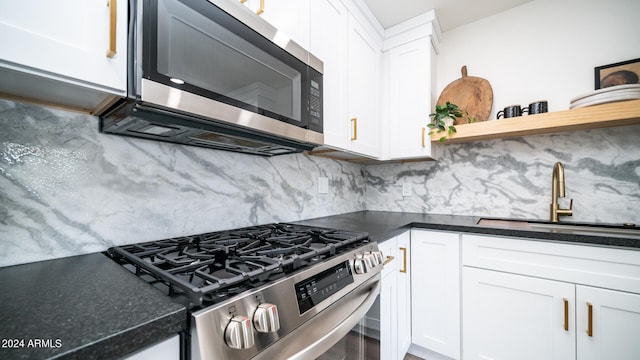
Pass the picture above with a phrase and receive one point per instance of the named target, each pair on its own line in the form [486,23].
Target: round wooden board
[472,94]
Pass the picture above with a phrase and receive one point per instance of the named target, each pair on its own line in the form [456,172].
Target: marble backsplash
[512,178]
[66,189]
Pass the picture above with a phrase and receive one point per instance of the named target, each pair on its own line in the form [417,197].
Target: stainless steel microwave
[212,73]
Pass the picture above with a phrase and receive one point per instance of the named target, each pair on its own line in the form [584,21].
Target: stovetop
[205,269]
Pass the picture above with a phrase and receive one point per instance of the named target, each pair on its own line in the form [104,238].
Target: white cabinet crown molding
[415,28]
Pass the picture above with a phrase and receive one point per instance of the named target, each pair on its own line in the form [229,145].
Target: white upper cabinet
[291,17]
[71,53]
[329,43]
[410,51]
[350,51]
[363,61]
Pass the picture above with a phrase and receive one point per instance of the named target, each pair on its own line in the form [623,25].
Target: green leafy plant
[443,119]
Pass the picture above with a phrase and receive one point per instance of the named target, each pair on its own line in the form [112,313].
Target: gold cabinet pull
[404,260]
[388,260]
[112,28]
[261,10]
[423,130]
[354,121]
[589,319]
[566,314]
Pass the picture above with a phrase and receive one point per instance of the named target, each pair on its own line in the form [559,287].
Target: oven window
[208,52]
[361,343]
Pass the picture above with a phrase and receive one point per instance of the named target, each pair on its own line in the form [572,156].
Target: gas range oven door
[338,332]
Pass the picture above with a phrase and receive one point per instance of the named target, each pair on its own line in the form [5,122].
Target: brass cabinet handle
[112,28]
[423,130]
[589,319]
[566,314]
[388,260]
[354,121]
[261,10]
[404,260]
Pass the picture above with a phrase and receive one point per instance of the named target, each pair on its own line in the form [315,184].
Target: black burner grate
[213,266]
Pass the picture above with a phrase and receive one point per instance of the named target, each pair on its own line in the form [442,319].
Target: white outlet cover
[323,185]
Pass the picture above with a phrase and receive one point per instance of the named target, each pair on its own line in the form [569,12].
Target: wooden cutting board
[472,94]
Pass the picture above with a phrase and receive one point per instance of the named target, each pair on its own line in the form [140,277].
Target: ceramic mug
[511,111]
[538,107]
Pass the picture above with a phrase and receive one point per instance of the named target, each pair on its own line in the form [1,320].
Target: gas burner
[214,266]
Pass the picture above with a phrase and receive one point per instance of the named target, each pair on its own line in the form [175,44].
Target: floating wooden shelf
[592,117]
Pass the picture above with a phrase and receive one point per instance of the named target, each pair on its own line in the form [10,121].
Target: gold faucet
[557,190]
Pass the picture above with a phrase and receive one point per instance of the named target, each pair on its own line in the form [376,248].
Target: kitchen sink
[628,231]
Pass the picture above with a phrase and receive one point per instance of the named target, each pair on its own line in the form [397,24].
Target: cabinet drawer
[610,268]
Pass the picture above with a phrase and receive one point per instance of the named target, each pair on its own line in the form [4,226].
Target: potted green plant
[443,119]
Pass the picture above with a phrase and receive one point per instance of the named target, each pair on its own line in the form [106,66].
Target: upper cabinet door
[363,82]
[67,41]
[290,17]
[329,43]
[410,99]
[608,324]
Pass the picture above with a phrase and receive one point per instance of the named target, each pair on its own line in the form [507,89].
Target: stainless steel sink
[627,231]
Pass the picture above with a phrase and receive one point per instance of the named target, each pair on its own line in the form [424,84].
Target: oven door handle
[328,326]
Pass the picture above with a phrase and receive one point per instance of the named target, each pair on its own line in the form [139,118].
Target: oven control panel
[319,287]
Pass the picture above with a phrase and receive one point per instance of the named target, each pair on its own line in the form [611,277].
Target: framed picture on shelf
[622,73]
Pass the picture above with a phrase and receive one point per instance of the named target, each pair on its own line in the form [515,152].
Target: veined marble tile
[66,189]
[512,178]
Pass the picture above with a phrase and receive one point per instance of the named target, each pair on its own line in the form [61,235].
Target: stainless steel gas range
[274,291]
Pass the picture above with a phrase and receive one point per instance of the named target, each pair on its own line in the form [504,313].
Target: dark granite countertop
[383,225]
[81,307]
[89,307]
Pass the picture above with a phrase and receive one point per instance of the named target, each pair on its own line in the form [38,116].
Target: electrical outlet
[323,185]
[406,189]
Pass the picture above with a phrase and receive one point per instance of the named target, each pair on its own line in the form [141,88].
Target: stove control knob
[379,256]
[266,319]
[360,265]
[371,260]
[239,333]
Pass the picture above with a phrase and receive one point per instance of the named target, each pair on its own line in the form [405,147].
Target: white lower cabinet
[508,316]
[388,302]
[395,300]
[168,349]
[404,294]
[435,291]
[527,299]
[614,324]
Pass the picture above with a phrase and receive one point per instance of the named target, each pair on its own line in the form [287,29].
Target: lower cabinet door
[608,324]
[388,313]
[404,294]
[508,316]
[435,291]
